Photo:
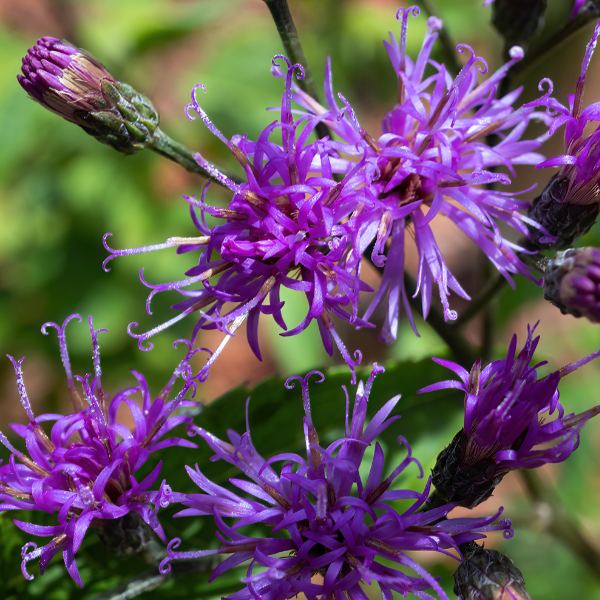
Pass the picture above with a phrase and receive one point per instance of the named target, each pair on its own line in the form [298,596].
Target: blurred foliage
[60,191]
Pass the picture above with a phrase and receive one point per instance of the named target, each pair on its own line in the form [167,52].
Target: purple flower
[569,205]
[432,159]
[85,469]
[505,427]
[572,282]
[283,228]
[340,522]
[71,83]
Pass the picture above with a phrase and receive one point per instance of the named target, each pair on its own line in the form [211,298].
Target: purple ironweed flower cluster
[306,216]
[85,470]
[432,158]
[569,205]
[294,225]
[338,523]
[282,228]
[504,427]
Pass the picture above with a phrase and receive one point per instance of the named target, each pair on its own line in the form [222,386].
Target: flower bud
[73,84]
[572,282]
[518,20]
[488,575]
[456,479]
[561,214]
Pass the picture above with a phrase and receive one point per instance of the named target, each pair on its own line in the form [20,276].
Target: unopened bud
[456,479]
[488,575]
[73,84]
[562,215]
[518,20]
[127,535]
[572,282]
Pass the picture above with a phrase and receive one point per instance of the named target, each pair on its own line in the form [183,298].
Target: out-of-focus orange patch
[237,364]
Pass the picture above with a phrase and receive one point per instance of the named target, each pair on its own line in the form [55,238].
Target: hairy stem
[293,48]
[165,146]
[560,524]
[451,62]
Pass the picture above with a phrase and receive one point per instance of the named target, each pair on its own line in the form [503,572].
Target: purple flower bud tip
[63,78]
[572,282]
[72,84]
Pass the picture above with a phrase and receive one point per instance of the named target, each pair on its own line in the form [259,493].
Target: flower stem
[151,579]
[560,524]
[293,48]
[551,43]
[463,352]
[451,62]
[488,293]
[165,146]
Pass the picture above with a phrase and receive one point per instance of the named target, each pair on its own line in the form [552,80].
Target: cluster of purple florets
[311,210]
[85,469]
[306,216]
[331,512]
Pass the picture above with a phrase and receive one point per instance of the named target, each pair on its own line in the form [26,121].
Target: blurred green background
[60,191]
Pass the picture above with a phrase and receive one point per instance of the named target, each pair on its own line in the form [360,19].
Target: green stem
[560,524]
[165,146]
[293,48]
[537,261]
[461,349]
[552,43]
[151,579]
[451,62]
[488,293]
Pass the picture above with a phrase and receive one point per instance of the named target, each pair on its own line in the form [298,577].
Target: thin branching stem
[489,292]
[560,524]
[165,146]
[550,44]
[151,579]
[293,48]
